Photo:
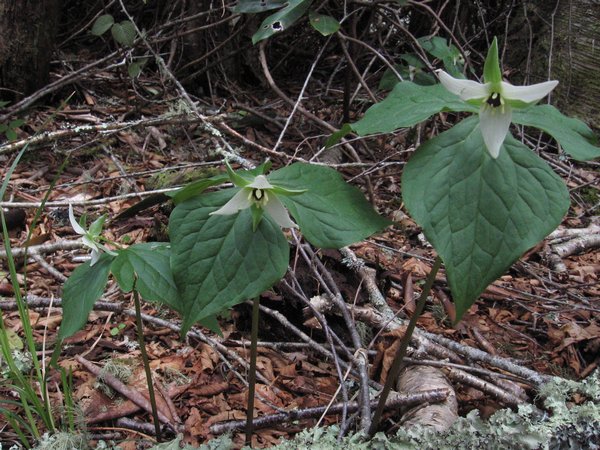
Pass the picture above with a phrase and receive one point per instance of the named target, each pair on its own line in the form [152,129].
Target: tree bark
[568,43]
[27,33]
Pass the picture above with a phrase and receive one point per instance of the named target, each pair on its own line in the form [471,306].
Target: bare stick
[432,396]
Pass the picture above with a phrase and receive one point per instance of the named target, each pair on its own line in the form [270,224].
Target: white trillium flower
[90,237]
[495,98]
[259,193]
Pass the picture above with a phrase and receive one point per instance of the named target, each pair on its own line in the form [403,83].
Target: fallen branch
[132,394]
[431,396]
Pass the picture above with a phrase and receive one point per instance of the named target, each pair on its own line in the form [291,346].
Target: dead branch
[132,394]
[431,396]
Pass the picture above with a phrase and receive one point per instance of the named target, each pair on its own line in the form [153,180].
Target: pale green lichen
[562,425]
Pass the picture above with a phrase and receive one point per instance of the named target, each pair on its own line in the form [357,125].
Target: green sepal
[237,179]
[278,190]
[491,69]
[257,215]
[196,188]
[96,226]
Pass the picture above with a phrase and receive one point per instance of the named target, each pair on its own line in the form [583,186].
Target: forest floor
[539,315]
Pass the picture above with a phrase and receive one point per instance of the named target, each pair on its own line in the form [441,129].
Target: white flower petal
[260,182]
[494,124]
[527,94]
[465,89]
[89,243]
[78,228]
[238,201]
[95,257]
[278,213]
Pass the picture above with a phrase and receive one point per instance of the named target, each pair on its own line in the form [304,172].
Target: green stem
[252,374]
[395,369]
[140,334]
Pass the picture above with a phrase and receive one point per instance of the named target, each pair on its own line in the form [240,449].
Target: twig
[432,396]
[103,128]
[484,386]
[132,394]
[100,201]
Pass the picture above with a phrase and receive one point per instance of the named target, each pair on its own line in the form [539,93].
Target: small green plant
[114,331]
[289,13]
[122,32]
[10,129]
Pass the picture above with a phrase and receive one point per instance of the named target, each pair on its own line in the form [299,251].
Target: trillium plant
[481,196]
[227,245]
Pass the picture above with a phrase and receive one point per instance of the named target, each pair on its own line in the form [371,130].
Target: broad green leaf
[257,6]
[102,24]
[148,267]
[407,105]
[281,20]
[85,285]
[325,25]
[573,135]
[480,214]
[331,213]
[124,33]
[218,261]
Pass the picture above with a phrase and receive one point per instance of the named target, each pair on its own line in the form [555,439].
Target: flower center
[495,100]
[259,197]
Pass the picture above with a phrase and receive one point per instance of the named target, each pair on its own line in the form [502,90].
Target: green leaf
[218,261]
[135,68]
[257,6]
[436,46]
[11,134]
[481,214]
[102,24]
[325,25]
[575,137]
[338,135]
[281,20]
[85,285]
[407,105]
[16,123]
[124,33]
[150,263]
[331,213]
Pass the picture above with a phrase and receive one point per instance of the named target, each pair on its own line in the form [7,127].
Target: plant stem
[395,369]
[140,334]
[252,374]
